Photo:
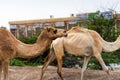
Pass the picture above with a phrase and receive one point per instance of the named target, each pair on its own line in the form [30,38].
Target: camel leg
[50,59]
[5,65]
[0,69]
[86,59]
[99,58]
[59,60]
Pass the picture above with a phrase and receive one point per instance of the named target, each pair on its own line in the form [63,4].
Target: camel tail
[106,46]
[111,46]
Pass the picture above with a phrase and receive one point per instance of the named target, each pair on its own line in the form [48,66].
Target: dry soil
[33,73]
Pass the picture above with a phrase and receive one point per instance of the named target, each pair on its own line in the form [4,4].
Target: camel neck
[32,50]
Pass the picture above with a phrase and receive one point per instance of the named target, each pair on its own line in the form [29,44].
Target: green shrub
[16,62]
[29,40]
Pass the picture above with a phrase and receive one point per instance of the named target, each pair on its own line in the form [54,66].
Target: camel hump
[78,29]
[6,38]
[4,33]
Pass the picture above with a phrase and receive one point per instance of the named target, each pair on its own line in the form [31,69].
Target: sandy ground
[33,73]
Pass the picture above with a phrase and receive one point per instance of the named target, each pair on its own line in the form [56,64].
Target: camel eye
[64,31]
[55,31]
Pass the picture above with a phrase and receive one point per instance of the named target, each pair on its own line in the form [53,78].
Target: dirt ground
[33,73]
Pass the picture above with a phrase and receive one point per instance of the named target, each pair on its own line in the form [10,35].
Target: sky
[15,10]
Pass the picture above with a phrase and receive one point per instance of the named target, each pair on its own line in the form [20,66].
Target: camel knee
[83,70]
[97,55]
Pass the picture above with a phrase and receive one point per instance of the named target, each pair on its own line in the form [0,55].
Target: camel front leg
[5,65]
[0,69]
[86,59]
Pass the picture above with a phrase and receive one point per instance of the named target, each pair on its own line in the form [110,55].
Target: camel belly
[78,45]
[79,51]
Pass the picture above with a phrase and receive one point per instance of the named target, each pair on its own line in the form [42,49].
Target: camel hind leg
[48,60]
[99,58]
[59,60]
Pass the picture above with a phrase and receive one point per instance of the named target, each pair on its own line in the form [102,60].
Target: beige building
[26,28]
[117,21]
[33,27]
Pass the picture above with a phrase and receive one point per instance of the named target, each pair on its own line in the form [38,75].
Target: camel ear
[48,29]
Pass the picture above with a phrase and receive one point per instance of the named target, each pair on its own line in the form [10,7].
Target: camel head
[54,33]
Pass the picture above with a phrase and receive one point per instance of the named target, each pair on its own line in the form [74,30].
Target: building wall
[33,27]
[26,28]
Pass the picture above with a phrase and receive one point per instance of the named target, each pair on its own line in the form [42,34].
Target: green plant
[105,27]
[16,62]
[29,40]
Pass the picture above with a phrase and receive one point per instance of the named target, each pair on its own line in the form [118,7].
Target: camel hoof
[108,72]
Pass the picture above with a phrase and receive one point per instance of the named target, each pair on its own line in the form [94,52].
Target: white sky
[12,10]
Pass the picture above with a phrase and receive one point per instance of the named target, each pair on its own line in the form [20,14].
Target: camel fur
[80,42]
[10,47]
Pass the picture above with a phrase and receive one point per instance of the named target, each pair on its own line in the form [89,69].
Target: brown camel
[10,47]
[80,42]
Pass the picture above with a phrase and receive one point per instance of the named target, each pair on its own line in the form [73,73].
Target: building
[117,21]
[33,27]
[26,28]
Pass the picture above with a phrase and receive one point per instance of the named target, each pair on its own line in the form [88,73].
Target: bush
[107,31]
[29,40]
[16,62]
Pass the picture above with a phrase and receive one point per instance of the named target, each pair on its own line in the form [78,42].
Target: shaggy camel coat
[10,47]
[80,42]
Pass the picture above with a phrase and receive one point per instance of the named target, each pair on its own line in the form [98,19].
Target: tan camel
[10,47]
[80,42]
